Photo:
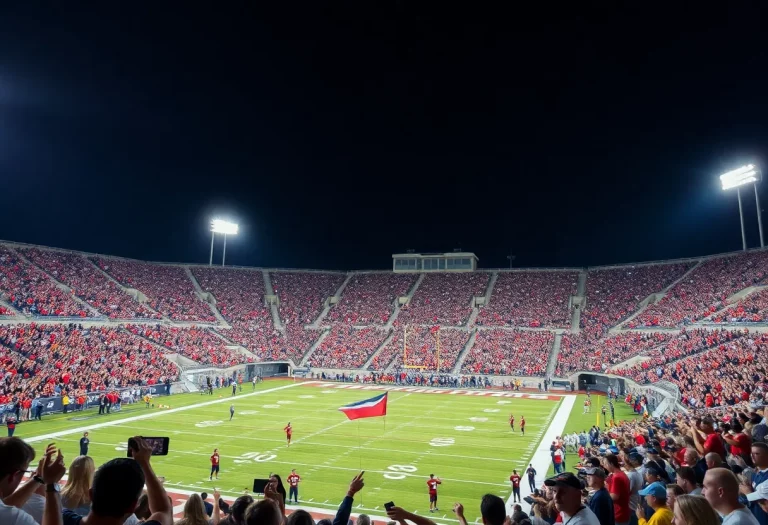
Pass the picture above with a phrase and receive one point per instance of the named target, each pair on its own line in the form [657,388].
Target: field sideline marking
[541,458]
[44,437]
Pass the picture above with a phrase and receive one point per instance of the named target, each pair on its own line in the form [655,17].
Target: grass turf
[465,440]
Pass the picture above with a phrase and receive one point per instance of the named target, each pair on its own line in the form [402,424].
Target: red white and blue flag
[374,407]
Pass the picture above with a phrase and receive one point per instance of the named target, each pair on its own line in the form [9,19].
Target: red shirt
[511,419]
[293,480]
[714,443]
[618,483]
[432,484]
[215,459]
[745,444]
[288,430]
[522,423]
[515,479]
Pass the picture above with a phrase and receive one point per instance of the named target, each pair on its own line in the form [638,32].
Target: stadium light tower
[737,178]
[226,228]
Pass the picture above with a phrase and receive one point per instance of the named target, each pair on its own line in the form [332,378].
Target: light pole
[737,178]
[223,227]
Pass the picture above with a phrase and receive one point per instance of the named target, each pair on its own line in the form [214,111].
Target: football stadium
[383,264]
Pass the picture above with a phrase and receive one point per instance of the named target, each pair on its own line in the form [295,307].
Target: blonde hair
[696,509]
[194,512]
[77,490]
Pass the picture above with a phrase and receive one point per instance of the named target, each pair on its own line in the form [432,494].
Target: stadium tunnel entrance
[601,383]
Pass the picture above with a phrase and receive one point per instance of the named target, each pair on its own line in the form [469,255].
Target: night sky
[337,136]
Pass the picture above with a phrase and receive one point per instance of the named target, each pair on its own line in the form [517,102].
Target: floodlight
[737,178]
[225,227]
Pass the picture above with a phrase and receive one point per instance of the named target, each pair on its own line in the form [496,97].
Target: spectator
[206,504]
[264,512]
[694,510]
[673,492]
[194,512]
[567,489]
[444,299]
[109,505]
[493,511]
[237,511]
[15,457]
[686,479]
[600,503]
[721,490]
[760,477]
[75,495]
[656,497]
[300,517]
[619,489]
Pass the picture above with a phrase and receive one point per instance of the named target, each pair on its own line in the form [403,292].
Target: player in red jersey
[215,463]
[522,425]
[293,480]
[512,422]
[288,432]
[515,479]
[432,483]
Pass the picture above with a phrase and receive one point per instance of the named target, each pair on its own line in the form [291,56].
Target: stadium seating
[705,290]
[38,358]
[29,290]
[303,294]
[347,347]
[168,288]
[239,293]
[533,299]
[751,309]
[509,352]
[583,352]
[613,294]
[369,298]
[444,299]
[89,284]
[198,344]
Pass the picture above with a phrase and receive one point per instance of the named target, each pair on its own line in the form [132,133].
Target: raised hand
[356,485]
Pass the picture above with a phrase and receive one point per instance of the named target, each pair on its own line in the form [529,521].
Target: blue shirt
[602,505]
[757,511]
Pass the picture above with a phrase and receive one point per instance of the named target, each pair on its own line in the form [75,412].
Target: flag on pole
[374,407]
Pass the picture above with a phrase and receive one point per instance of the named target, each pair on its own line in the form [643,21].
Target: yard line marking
[52,435]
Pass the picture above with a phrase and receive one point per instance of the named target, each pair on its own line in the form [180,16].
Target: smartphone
[388,506]
[259,485]
[159,445]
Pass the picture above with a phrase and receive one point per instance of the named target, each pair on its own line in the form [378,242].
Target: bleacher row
[156,309]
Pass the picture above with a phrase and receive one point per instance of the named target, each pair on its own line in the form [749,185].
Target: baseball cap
[596,471]
[652,450]
[635,457]
[614,450]
[761,492]
[566,479]
[655,489]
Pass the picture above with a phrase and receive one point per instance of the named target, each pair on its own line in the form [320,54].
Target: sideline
[541,459]
[156,413]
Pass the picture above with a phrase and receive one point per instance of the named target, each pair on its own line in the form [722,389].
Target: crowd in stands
[302,295]
[6,311]
[420,349]
[31,291]
[168,288]
[718,368]
[239,294]
[533,299]
[269,343]
[369,298]
[198,344]
[51,359]
[581,352]
[444,298]
[89,284]
[613,294]
[705,290]
[751,309]
[509,352]
[347,347]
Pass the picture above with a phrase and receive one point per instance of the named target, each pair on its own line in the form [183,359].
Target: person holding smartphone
[432,484]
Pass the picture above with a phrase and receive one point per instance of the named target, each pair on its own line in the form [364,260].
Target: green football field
[463,439]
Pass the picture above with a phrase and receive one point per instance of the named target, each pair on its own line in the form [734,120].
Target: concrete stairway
[653,299]
[489,289]
[329,304]
[272,307]
[379,349]
[10,307]
[464,352]
[576,321]
[207,297]
[472,317]
[133,292]
[412,291]
[231,345]
[60,285]
[314,347]
[581,287]
[733,299]
[578,302]
[552,363]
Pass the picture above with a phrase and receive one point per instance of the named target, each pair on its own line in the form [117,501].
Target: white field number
[204,424]
[464,429]
[442,442]
[254,456]
[397,471]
